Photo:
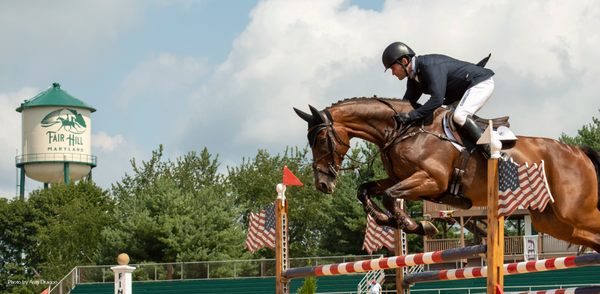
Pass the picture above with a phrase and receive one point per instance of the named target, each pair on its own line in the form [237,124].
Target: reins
[398,135]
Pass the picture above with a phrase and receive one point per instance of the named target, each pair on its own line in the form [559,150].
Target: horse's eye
[322,141]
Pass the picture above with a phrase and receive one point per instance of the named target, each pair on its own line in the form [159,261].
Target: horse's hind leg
[547,222]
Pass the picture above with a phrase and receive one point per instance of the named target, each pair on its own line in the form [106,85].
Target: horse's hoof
[429,228]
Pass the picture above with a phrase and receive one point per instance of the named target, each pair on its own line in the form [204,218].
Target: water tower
[56,130]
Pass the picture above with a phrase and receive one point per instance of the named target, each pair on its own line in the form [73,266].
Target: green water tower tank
[56,132]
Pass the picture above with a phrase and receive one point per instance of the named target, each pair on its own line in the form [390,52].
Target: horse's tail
[595,158]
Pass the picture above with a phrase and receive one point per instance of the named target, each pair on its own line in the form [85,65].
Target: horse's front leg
[375,188]
[418,184]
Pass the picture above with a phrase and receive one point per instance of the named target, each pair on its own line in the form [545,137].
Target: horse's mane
[369,99]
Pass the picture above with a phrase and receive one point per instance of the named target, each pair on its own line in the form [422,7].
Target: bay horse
[420,162]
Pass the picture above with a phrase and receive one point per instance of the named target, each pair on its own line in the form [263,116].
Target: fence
[66,284]
[547,245]
[232,269]
[56,157]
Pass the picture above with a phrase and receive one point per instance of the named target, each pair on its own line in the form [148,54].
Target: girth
[453,196]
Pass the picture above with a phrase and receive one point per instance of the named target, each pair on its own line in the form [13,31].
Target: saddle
[463,139]
[453,196]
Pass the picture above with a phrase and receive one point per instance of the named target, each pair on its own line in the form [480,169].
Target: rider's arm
[436,78]
[413,91]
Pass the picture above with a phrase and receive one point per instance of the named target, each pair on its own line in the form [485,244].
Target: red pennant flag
[46,291]
[289,179]
[498,289]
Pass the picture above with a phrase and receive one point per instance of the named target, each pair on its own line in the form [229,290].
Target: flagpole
[281,241]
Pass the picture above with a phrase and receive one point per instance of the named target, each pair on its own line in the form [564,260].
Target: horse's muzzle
[325,182]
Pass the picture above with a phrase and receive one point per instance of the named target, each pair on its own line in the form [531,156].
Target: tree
[344,217]
[254,182]
[588,135]
[54,230]
[174,211]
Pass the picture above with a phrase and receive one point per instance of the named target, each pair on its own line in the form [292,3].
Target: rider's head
[394,53]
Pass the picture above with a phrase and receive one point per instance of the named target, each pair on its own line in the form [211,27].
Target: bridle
[396,136]
[333,167]
[333,138]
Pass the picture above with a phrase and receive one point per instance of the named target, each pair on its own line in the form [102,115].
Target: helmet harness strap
[403,65]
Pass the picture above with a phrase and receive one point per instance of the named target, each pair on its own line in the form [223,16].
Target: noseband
[334,139]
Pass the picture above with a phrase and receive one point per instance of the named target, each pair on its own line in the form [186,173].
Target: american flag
[521,185]
[377,236]
[261,230]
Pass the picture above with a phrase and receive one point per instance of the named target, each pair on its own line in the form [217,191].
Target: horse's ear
[303,115]
[319,118]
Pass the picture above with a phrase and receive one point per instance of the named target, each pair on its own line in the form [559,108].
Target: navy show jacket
[444,78]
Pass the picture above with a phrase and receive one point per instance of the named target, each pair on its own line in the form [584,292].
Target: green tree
[254,181]
[309,286]
[345,216]
[588,135]
[54,230]
[174,211]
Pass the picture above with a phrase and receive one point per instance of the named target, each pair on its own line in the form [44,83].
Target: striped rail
[509,269]
[582,290]
[385,263]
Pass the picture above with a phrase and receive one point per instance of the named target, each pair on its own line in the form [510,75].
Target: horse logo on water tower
[65,120]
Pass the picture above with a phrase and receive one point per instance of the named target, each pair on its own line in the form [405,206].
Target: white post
[123,275]
[528,225]
[122,278]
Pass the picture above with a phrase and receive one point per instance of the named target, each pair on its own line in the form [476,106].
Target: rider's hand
[402,118]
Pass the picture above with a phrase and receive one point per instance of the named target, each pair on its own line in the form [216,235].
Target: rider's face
[398,71]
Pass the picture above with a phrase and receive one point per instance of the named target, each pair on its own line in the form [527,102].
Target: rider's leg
[475,131]
[471,102]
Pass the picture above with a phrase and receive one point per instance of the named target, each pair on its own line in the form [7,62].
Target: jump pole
[282,258]
[495,238]
[508,269]
[385,263]
[582,290]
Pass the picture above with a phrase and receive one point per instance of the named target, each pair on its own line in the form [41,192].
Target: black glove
[402,118]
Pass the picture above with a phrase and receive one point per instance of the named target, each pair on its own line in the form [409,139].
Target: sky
[224,75]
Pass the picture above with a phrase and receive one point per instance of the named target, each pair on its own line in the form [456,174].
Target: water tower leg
[66,173]
[22,184]
[89,177]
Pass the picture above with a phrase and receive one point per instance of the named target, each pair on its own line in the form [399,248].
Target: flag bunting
[377,236]
[521,185]
[261,229]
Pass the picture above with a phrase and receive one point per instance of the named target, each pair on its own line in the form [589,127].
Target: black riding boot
[475,131]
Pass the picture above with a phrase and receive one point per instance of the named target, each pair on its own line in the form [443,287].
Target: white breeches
[473,100]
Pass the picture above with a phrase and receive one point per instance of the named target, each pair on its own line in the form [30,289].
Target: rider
[449,82]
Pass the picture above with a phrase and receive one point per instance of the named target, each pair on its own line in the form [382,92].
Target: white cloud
[115,160]
[10,137]
[293,53]
[106,142]
[55,39]
[297,52]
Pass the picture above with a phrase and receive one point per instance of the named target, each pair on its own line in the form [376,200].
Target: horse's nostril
[323,187]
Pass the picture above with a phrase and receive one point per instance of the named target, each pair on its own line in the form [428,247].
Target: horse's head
[324,141]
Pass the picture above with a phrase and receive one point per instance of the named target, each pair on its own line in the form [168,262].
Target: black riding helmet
[394,53]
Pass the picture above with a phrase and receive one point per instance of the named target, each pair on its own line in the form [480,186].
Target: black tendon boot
[475,131]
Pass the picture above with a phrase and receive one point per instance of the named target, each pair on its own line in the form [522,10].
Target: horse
[419,160]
